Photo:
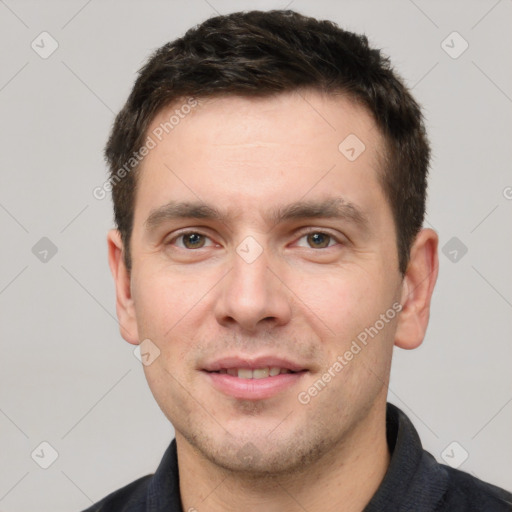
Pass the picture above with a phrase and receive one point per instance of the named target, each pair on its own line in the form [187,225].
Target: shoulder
[468,493]
[130,498]
[158,491]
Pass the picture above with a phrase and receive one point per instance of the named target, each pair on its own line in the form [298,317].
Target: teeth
[257,373]
[244,373]
[260,373]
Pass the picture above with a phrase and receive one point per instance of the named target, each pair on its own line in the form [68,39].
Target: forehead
[231,120]
[272,149]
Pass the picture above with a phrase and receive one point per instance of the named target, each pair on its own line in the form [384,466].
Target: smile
[254,373]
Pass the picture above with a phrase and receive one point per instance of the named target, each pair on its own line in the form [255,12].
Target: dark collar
[164,487]
[414,480]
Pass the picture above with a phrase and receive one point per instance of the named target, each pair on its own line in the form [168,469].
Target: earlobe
[417,288]
[124,302]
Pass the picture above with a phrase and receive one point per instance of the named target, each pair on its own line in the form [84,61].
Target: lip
[252,363]
[253,389]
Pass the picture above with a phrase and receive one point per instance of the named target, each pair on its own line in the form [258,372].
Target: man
[269,179]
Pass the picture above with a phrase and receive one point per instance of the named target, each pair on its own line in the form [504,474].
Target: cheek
[342,302]
[346,309]
[154,305]
[164,303]
[170,309]
[360,343]
[162,299]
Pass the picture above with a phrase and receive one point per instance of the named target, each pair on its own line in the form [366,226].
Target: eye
[190,240]
[318,240]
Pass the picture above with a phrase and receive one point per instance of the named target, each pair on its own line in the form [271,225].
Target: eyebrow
[331,208]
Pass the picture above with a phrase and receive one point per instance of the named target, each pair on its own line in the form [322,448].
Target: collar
[413,481]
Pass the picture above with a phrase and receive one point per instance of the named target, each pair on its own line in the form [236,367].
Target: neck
[344,479]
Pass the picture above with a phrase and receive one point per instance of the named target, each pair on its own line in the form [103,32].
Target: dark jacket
[414,482]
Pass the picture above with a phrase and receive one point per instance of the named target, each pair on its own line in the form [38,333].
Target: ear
[124,302]
[417,287]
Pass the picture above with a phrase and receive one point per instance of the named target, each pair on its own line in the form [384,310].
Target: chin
[260,456]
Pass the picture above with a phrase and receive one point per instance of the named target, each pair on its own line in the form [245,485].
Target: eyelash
[302,235]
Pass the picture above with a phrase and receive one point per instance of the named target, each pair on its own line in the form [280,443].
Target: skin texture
[304,299]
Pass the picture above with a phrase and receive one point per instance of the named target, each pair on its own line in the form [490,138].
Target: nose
[253,296]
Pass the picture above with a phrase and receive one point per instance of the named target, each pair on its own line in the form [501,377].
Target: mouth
[256,379]
[254,373]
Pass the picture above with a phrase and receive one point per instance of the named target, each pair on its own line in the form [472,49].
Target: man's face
[270,286]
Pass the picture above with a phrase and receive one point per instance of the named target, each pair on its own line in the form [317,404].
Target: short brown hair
[260,53]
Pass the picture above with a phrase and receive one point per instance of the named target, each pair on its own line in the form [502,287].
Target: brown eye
[318,240]
[191,240]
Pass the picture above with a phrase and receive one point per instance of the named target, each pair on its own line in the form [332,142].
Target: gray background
[66,375]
